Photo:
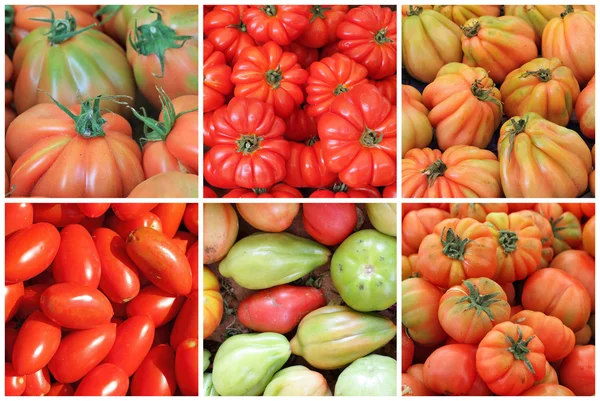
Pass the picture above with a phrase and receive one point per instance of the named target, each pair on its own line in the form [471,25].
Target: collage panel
[498,299]
[299,299]
[299,101]
[101,299]
[495,103]
[101,101]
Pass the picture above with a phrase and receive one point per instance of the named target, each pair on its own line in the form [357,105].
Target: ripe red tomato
[81,351]
[30,251]
[17,216]
[170,215]
[390,191]
[224,28]
[38,340]
[209,193]
[160,260]
[60,389]
[547,389]
[93,209]
[581,266]
[104,380]
[322,27]
[281,24]
[387,87]
[77,259]
[279,309]
[280,190]
[10,333]
[408,350]
[125,227]
[578,370]
[306,166]
[186,238]
[31,300]
[186,323]
[161,306]
[14,384]
[186,366]
[37,384]
[329,223]
[217,83]
[127,211]
[132,343]
[192,257]
[306,55]
[190,218]
[156,374]
[269,217]
[341,190]
[57,214]
[76,306]
[13,298]
[299,126]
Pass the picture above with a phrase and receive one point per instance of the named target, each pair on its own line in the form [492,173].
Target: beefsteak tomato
[280,190]
[461,14]
[224,28]
[300,126]
[581,266]
[322,26]
[341,190]
[387,86]
[477,211]
[578,370]
[417,131]
[589,236]
[585,109]
[115,20]
[420,303]
[217,78]
[417,225]
[306,166]
[280,24]
[566,228]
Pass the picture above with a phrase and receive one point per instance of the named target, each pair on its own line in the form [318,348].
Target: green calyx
[481,303]
[414,10]
[485,95]
[339,89]
[271,11]
[471,30]
[543,74]
[60,29]
[318,12]
[555,227]
[518,126]
[339,187]
[508,241]
[248,144]
[274,77]
[156,38]
[381,38]
[9,18]
[435,170]
[568,10]
[454,246]
[109,10]
[519,349]
[370,138]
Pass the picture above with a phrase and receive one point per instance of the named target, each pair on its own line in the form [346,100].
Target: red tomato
[14,384]
[160,260]
[280,190]
[190,218]
[124,227]
[281,24]
[133,342]
[161,335]
[120,280]
[192,257]
[589,236]
[299,126]
[92,223]
[77,259]
[185,237]
[306,166]
[156,374]
[10,333]
[186,366]
[57,214]
[217,84]
[387,87]
[30,251]
[126,211]
[322,27]
[341,190]
[224,28]
[36,344]
[17,216]
[31,300]
[328,50]
[408,350]
[329,223]
[104,380]
[269,217]
[547,389]
[581,266]
[161,306]
[120,310]
[418,224]
[76,306]
[60,389]
[81,351]
[390,191]
[186,324]
[93,209]
[578,370]
[170,215]
[306,55]
[279,309]
[517,207]
[13,298]
[209,193]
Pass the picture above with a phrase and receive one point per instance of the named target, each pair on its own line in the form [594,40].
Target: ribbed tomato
[420,303]
[417,131]
[300,125]
[322,25]
[115,20]
[566,227]
[224,28]
[280,190]
[417,225]
[341,190]
[589,236]
[461,14]
[306,166]
[477,211]
[306,55]
[280,24]
[585,109]
[387,86]
[217,78]
[213,302]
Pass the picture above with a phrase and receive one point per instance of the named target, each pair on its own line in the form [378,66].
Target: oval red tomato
[57,214]
[132,343]
[186,366]
[17,216]
[126,211]
[14,384]
[104,380]
[125,227]
[192,256]
[161,306]
[93,210]
[170,215]
[190,218]
[60,389]
[329,223]
[38,340]
[77,259]
[156,374]
[186,324]
[13,298]
[38,383]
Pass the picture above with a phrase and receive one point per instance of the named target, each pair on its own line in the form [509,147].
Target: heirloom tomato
[213,302]
[269,217]
[329,223]
[170,184]
[578,370]
[413,387]
[409,266]
[280,190]
[220,230]
[417,224]
[217,82]
[566,227]
[389,191]
[280,24]
[585,109]
[297,381]
[322,25]
[420,301]
[300,126]
[115,20]
[581,266]
[387,86]
[541,390]
[306,166]
[383,217]
[580,209]
[477,211]
[408,350]
[341,190]
[306,55]
[417,131]
[224,28]
[589,236]
[372,375]
[461,14]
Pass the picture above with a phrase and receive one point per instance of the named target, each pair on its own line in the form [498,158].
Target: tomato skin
[171,216]
[209,192]
[186,366]
[548,389]
[160,260]
[60,389]
[577,371]
[77,259]
[76,306]
[92,223]
[156,374]
[123,228]
[420,300]
[57,214]
[344,192]
[389,191]
[212,302]
[30,251]
[190,218]
[186,238]
[306,55]
[127,211]
[104,380]
[132,343]
[300,126]
[322,26]
[14,384]
[329,223]
[280,190]
[281,24]
[192,257]
[581,266]
[171,184]
[306,167]
[269,217]
[161,306]
[36,343]
[223,27]
[186,323]
[13,298]
[589,236]
[408,350]
[217,84]
[220,229]
[17,216]
[421,223]
[93,210]
[11,333]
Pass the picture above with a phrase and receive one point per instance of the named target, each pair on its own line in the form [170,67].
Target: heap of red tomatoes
[101,299]
[498,299]
[299,101]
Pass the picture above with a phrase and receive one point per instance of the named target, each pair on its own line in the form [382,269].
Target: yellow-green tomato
[207,386]
[383,217]
[297,381]
[373,375]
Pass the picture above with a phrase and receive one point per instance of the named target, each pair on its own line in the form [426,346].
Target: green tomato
[207,385]
[373,375]
[206,363]
[363,270]
[297,381]
[383,217]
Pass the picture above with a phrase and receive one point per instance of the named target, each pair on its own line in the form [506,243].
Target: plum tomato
[127,211]
[161,306]
[269,217]
[329,223]
[31,300]
[93,210]
[186,366]
[192,257]
[104,380]
[17,216]
[77,259]
[133,342]
[190,218]
[13,298]
[156,374]
[14,384]
[60,389]
[57,214]
[38,383]
[124,227]
[170,215]
[186,323]
[36,343]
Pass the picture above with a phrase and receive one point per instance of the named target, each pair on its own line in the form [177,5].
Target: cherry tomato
[104,380]
[17,216]
[36,343]
[186,324]
[13,298]
[171,215]
[186,366]
[77,260]
[76,306]
[120,280]
[156,374]
[31,300]
[133,342]
[81,351]
[93,209]
[60,389]
[160,260]
[192,257]
[190,218]
[57,214]
[14,384]
[126,211]
[161,306]
[38,383]
[186,237]
[30,251]
[124,227]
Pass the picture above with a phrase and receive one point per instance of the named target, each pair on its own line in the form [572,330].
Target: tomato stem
[485,95]
[471,30]
[110,10]
[271,11]
[519,349]
[568,10]
[248,144]
[414,10]
[340,187]
[60,29]
[339,89]
[543,74]
[370,138]
[318,12]
[435,170]
[454,246]
[274,77]
[9,18]
[380,37]
[508,241]
[481,303]
[518,126]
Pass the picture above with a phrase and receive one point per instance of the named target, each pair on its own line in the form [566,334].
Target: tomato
[389,191]
[30,251]
[270,75]
[557,338]
[329,223]
[414,387]
[132,343]
[306,166]
[119,280]
[417,225]
[322,26]
[115,20]
[104,380]
[545,228]
[186,323]
[81,351]
[190,218]
[477,211]
[306,55]
[156,374]
[358,137]
[585,109]
[14,384]
[300,126]
[509,290]
[10,332]
[408,350]
[36,343]
[578,370]
[38,383]
[279,309]
[224,28]
[160,260]
[450,370]
[269,217]
[341,190]
[565,226]
[76,306]
[220,231]
[280,190]
[17,216]
[209,193]
[420,300]
[583,336]
[163,51]
[60,389]
[57,214]
[249,149]
[368,36]
[542,390]
[580,209]
[160,306]
[517,207]
[217,84]
[186,366]
[589,236]
[550,377]
[192,256]
[581,266]
[170,216]
[555,293]
[212,302]
[13,298]
[171,184]
[417,131]
[409,266]
[125,227]
[457,249]
[93,210]
[468,311]
[281,24]
[128,211]
[77,259]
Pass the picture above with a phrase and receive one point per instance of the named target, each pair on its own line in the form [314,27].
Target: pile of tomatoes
[300,101]
[498,299]
[101,101]
[101,299]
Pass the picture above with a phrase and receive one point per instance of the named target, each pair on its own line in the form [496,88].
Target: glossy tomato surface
[36,344]
[133,341]
[186,366]
[77,259]
[104,380]
[17,216]
[161,306]
[156,374]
